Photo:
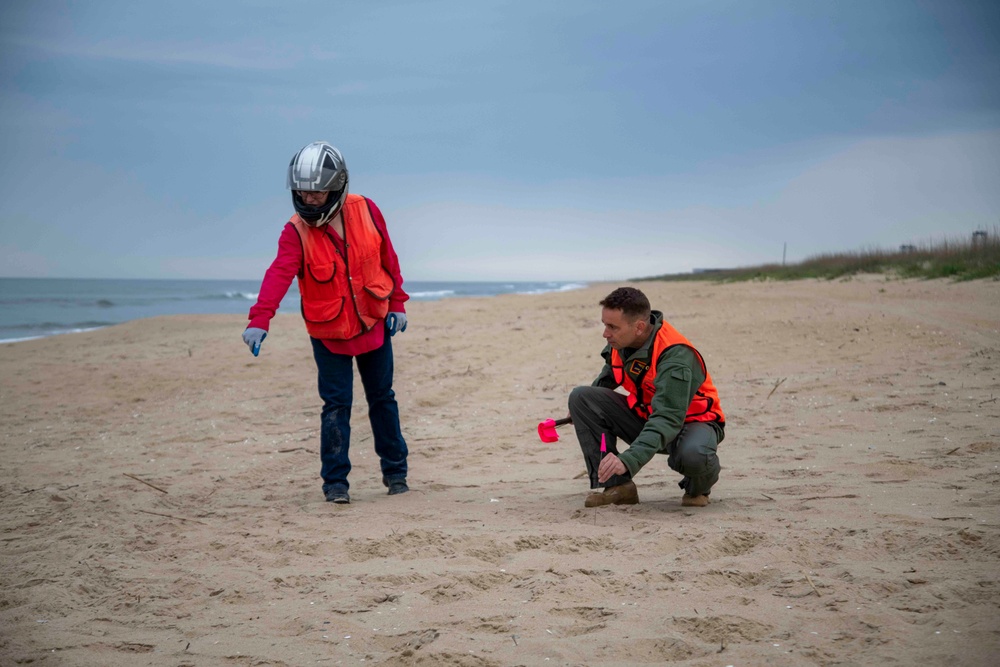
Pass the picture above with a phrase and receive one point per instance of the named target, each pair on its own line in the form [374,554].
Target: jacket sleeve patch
[682,374]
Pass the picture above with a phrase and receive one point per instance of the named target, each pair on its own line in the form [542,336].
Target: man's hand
[253,337]
[395,323]
[610,466]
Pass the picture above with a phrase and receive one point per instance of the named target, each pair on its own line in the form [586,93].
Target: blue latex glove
[253,337]
[395,323]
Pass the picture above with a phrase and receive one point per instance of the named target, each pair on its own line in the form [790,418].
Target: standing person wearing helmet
[338,247]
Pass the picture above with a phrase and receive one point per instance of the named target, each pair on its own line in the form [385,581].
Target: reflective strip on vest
[343,297]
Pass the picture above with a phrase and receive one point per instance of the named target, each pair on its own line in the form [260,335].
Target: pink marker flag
[604,447]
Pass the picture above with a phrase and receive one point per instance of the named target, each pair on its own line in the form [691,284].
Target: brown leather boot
[694,501]
[623,494]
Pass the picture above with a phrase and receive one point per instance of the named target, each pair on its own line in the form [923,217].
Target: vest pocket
[314,310]
[379,292]
[378,283]
[322,272]
[700,405]
[373,303]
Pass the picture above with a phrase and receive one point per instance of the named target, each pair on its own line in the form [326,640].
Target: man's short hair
[633,303]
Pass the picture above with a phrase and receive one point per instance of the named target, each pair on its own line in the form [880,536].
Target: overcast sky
[533,140]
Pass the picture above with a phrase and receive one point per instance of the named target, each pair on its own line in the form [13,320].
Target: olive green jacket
[678,376]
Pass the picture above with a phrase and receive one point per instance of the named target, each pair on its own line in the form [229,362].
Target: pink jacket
[286,266]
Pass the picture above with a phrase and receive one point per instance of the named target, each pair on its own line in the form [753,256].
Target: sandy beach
[161,500]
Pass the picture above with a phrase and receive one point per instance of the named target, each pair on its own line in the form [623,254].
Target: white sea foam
[46,335]
[432,295]
[249,296]
[560,288]
[18,340]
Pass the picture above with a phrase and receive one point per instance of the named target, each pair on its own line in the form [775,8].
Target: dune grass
[970,259]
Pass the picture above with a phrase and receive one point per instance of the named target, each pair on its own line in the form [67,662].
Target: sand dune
[161,502]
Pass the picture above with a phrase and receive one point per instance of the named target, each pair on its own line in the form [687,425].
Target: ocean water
[37,307]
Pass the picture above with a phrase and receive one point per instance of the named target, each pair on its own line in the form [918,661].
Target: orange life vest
[343,297]
[639,379]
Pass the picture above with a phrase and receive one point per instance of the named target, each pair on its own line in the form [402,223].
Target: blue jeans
[336,388]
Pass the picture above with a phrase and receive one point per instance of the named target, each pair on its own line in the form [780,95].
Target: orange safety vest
[343,297]
[639,380]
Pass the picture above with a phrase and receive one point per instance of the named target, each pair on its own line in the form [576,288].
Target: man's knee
[696,453]
[577,397]
[696,462]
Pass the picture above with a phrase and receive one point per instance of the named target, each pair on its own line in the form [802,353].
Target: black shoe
[396,486]
[338,496]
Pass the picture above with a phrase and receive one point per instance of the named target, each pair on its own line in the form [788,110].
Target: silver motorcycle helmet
[318,167]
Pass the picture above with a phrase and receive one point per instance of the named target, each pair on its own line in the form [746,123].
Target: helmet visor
[313,197]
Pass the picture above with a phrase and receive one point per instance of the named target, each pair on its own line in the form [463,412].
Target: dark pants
[336,388]
[596,410]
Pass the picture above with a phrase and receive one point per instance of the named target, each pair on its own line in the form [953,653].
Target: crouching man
[671,406]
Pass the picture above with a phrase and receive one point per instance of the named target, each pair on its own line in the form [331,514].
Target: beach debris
[812,584]
[144,482]
[775,387]
[171,516]
[846,495]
